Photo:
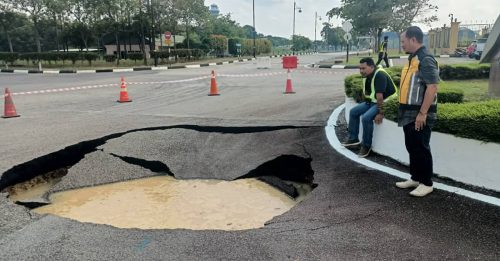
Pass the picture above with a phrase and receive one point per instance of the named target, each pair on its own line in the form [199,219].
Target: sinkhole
[231,193]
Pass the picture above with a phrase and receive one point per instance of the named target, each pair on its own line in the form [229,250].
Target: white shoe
[407,184]
[421,191]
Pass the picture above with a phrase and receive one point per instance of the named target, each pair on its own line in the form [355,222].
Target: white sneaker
[421,191]
[407,184]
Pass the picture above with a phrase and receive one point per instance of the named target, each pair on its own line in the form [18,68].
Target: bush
[232,48]
[474,120]
[196,53]
[110,58]
[450,95]
[73,56]
[136,56]
[90,57]
[353,87]
[452,72]
[29,57]
[9,57]
[464,71]
[391,109]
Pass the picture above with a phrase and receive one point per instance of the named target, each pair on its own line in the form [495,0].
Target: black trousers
[383,56]
[417,145]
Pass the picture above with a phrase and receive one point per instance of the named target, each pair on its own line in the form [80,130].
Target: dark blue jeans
[417,145]
[367,113]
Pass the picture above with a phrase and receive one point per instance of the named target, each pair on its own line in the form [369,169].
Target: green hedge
[450,95]
[196,53]
[353,89]
[464,71]
[474,120]
[135,56]
[9,57]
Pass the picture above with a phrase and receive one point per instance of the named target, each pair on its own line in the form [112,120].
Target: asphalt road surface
[355,213]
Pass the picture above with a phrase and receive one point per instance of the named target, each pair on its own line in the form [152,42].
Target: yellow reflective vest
[412,89]
[372,97]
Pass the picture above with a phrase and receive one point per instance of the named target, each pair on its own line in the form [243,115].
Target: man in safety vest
[382,52]
[377,88]
[418,109]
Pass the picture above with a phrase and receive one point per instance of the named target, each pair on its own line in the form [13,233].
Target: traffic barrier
[263,62]
[9,108]
[289,89]
[123,92]
[213,86]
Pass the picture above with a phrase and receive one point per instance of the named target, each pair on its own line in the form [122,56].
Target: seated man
[377,87]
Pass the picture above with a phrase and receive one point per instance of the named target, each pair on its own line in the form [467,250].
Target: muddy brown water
[164,202]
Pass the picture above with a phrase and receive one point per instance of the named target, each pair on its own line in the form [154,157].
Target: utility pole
[153,37]
[142,34]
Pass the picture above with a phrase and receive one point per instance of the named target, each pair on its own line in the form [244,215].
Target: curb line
[335,143]
[134,69]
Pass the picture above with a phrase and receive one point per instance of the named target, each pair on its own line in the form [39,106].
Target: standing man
[382,52]
[417,110]
[377,87]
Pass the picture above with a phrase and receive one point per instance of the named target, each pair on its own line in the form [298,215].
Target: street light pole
[293,34]
[254,31]
[315,25]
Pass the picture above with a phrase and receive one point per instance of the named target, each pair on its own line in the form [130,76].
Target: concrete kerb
[335,143]
[162,68]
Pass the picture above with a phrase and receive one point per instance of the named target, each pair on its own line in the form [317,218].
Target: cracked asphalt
[355,213]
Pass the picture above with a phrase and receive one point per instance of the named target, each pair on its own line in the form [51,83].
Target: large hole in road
[165,200]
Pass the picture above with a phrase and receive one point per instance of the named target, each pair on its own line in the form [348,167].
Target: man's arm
[430,93]
[380,88]
[380,105]
[430,75]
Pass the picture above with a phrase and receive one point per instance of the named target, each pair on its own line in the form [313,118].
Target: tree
[301,43]
[191,12]
[56,9]
[407,12]
[35,10]
[218,43]
[83,13]
[8,22]
[115,14]
[366,16]
[372,16]
[278,41]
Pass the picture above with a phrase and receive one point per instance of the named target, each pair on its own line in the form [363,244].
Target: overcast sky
[275,17]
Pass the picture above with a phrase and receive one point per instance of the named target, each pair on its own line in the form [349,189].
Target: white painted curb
[335,143]
[123,70]
[85,71]
[159,68]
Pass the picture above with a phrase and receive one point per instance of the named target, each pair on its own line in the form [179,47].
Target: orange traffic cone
[213,86]
[123,92]
[289,89]
[9,108]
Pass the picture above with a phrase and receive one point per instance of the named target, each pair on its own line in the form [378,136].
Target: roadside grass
[474,90]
